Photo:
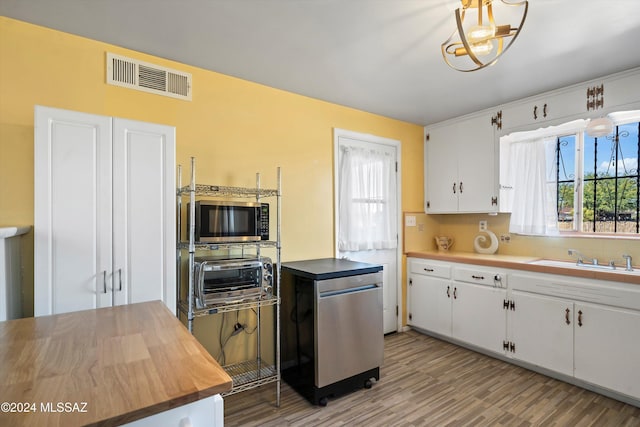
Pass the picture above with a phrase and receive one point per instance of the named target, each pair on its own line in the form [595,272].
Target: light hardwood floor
[429,382]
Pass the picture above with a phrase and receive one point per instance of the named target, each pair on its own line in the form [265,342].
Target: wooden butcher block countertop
[101,367]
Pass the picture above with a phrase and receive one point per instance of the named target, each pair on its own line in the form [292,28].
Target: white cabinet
[460,166]
[595,98]
[478,315]
[539,110]
[207,412]
[583,329]
[607,347]
[469,312]
[540,331]
[104,215]
[429,296]
[573,326]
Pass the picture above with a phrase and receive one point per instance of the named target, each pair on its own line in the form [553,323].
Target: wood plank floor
[428,382]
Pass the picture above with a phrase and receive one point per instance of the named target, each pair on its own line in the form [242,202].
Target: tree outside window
[605,197]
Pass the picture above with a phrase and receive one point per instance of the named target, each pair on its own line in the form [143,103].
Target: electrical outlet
[483,225]
[505,238]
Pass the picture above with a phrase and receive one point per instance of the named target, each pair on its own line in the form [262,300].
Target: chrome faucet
[628,266]
[581,257]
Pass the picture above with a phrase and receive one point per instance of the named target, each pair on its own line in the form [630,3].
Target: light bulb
[479,33]
[482,49]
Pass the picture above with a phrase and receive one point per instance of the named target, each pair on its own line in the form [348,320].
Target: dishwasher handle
[363,288]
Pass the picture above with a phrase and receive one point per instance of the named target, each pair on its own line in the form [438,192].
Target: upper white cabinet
[104,216]
[594,98]
[460,165]
[539,110]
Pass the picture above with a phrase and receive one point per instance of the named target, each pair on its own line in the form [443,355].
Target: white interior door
[388,257]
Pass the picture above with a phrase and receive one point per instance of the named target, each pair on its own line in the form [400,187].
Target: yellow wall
[233,127]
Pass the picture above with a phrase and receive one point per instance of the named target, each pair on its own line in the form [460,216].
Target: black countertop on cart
[329,268]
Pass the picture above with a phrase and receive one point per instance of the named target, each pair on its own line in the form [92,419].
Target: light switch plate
[410,221]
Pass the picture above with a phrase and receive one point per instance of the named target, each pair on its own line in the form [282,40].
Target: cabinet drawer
[431,269]
[493,278]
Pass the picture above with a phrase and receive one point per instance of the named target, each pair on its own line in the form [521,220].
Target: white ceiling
[381,56]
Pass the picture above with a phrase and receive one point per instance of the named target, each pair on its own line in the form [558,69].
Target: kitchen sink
[585,266]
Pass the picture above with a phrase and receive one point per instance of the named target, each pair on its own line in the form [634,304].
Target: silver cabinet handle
[460,187]
[454,188]
[120,278]
[104,280]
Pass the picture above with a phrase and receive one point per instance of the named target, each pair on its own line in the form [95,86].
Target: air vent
[134,74]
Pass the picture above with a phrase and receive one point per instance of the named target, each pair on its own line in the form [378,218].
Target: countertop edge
[524,263]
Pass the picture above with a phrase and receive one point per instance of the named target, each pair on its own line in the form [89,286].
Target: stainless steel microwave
[225,221]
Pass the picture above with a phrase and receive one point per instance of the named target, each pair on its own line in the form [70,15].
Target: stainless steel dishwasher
[332,326]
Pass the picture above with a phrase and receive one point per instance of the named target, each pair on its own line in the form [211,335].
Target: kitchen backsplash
[463,228]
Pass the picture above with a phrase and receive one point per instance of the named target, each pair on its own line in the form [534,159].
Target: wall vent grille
[134,74]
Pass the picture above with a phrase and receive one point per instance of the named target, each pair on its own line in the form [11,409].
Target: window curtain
[367,199]
[531,178]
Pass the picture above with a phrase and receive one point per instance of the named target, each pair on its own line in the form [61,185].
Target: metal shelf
[250,374]
[221,246]
[228,307]
[222,191]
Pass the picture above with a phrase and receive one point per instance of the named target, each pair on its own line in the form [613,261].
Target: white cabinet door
[104,212]
[207,412]
[550,107]
[72,211]
[144,212]
[441,170]
[541,330]
[621,91]
[430,303]
[460,166]
[478,315]
[607,347]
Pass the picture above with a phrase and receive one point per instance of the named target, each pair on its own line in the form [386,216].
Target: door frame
[397,145]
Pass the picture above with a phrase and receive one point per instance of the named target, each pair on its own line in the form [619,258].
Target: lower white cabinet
[478,316]
[584,329]
[430,304]
[541,331]
[607,347]
[469,312]
[207,412]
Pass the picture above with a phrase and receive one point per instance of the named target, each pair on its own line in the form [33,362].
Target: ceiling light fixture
[473,47]
[601,126]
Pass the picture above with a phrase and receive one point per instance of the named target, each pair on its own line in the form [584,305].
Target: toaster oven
[220,280]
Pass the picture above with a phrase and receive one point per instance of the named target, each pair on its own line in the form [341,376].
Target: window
[598,181]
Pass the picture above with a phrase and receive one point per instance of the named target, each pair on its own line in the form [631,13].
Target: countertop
[523,263]
[107,366]
[329,268]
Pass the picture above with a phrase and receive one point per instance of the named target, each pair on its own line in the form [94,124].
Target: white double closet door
[104,214]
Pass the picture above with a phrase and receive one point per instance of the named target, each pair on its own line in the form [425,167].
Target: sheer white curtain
[366,199]
[530,176]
